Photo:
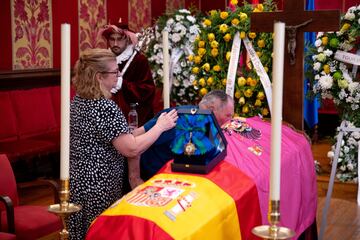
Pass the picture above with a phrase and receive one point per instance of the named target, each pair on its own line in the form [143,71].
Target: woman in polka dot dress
[100,139]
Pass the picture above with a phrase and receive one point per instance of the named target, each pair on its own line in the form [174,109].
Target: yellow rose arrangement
[212,51]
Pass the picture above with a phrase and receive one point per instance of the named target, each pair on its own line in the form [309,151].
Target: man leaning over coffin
[154,158]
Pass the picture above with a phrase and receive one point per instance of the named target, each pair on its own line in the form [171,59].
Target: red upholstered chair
[7,236]
[26,222]
[8,128]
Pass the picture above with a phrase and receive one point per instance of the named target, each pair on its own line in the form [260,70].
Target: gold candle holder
[274,231]
[64,209]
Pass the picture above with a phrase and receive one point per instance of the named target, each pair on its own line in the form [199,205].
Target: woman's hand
[131,146]
[168,120]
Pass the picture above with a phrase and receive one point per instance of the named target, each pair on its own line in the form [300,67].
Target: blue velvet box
[200,129]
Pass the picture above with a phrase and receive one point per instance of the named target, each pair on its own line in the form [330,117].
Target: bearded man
[135,84]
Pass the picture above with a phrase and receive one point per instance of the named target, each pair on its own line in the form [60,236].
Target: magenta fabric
[298,203]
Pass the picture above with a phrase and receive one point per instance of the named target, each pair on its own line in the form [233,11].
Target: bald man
[221,104]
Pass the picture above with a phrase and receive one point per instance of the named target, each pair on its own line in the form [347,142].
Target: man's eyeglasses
[115,72]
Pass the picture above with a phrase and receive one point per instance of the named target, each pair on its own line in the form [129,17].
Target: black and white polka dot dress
[96,168]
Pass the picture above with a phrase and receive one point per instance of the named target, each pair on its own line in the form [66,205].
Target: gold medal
[189,148]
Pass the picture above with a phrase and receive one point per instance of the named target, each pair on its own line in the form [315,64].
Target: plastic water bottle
[133,117]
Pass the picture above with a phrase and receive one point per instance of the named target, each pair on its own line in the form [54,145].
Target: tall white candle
[166,69]
[358,196]
[65,102]
[276,116]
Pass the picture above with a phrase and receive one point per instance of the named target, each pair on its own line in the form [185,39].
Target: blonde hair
[90,63]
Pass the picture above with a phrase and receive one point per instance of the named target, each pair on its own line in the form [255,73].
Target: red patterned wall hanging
[92,17]
[31,31]
[139,14]
[172,5]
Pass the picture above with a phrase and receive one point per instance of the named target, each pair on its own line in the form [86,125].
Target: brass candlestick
[273,231]
[64,209]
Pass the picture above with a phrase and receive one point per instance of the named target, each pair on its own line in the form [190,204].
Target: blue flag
[310,106]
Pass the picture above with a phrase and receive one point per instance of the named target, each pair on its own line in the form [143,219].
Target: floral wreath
[335,80]
[183,28]
[347,162]
[212,52]
[332,78]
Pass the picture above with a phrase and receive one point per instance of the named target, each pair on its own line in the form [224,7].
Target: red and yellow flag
[184,206]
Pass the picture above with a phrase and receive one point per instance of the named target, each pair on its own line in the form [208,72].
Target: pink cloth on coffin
[298,193]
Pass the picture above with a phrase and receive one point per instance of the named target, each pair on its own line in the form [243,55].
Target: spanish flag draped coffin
[222,204]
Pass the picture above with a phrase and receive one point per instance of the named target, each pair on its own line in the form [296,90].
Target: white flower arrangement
[334,77]
[183,29]
[347,161]
[337,80]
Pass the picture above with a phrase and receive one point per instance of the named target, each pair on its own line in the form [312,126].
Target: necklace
[189,148]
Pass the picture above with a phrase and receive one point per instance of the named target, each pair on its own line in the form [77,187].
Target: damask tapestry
[139,14]
[31,31]
[173,5]
[92,17]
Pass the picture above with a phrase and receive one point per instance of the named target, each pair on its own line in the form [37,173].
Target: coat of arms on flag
[159,193]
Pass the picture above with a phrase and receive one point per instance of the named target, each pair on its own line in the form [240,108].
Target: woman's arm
[138,131]
[134,172]
[131,146]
